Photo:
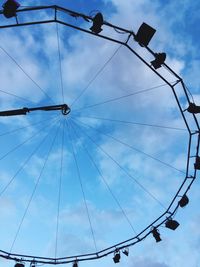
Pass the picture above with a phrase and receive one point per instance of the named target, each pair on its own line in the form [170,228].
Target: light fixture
[144,34]
[197,163]
[156,234]
[171,224]
[19,265]
[97,23]
[159,60]
[126,251]
[75,264]
[193,108]
[116,257]
[184,201]
[9,8]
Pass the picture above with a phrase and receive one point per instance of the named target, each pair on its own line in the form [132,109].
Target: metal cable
[60,65]
[136,149]
[22,143]
[96,75]
[82,188]
[25,127]
[107,185]
[59,189]
[25,162]
[123,169]
[135,123]
[22,69]
[19,97]
[120,97]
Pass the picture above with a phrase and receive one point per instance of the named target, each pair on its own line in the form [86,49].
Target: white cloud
[82,58]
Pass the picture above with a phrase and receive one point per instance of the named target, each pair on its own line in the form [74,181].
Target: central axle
[23,111]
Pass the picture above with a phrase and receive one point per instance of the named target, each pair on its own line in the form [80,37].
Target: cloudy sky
[98,176]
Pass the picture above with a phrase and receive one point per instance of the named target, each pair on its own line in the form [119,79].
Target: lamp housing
[97,23]
[184,201]
[197,163]
[9,8]
[126,251]
[144,34]
[19,265]
[193,108]
[156,234]
[171,224]
[116,257]
[159,60]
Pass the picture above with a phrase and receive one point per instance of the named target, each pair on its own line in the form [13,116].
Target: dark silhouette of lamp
[9,8]
[116,257]
[159,60]
[193,108]
[19,265]
[184,201]
[156,234]
[197,163]
[144,34]
[97,23]
[126,251]
[75,264]
[171,224]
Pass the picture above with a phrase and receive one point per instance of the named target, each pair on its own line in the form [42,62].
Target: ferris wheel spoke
[60,63]
[28,159]
[45,160]
[96,75]
[24,142]
[59,187]
[131,147]
[81,185]
[134,123]
[26,74]
[120,97]
[104,180]
[121,167]
[26,127]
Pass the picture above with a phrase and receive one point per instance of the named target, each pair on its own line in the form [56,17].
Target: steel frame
[193,132]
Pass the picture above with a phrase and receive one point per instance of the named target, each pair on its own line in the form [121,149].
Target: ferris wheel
[90,149]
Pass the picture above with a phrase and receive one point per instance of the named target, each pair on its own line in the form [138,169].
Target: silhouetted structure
[193,108]
[19,265]
[116,257]
[9,8]
[184,201]
[144,34]
[197,163]
[97,23]
[171,224]
[156,234]
[159,60]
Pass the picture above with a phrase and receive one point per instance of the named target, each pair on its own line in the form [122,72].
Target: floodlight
[159,60]
[144,34]
[116,257]
[171,224]
[9,8]
[193,108]
[156,234]
[126,251]
[97,23]
[197,163]
[19,265]
[184,201]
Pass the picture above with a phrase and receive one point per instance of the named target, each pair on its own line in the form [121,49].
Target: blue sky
[68,183]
